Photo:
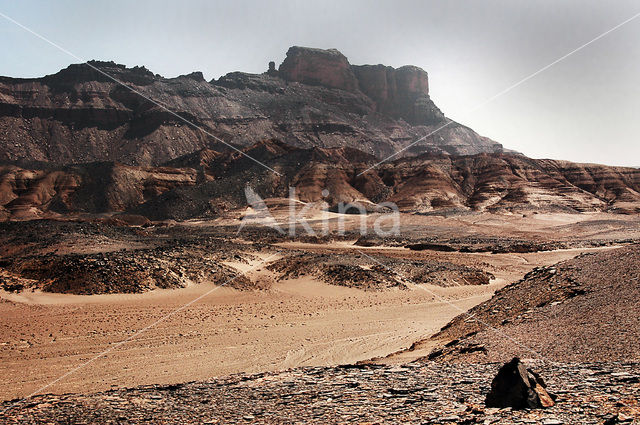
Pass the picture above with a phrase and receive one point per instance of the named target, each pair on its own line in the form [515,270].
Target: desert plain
[66,342]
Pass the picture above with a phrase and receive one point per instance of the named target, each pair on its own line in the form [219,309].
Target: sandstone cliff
[328,68]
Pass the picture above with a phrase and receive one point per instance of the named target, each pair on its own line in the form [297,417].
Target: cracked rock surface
[430,393]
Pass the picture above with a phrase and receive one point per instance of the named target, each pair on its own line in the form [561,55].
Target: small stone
[624,418]
[452,418]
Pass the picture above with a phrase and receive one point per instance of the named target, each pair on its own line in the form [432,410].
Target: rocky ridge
[358,272]
[208,183]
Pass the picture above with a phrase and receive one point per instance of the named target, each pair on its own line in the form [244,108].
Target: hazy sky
[585,108]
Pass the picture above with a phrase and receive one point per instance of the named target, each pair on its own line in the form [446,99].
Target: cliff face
[316,98]
[328,68]
[400,93]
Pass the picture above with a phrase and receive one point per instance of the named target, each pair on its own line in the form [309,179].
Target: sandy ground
[44,337]
[299,322]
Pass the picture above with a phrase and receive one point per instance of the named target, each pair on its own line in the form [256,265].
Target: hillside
[208,183]
[580,310]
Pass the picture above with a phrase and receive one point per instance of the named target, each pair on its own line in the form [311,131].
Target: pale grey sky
[583,109]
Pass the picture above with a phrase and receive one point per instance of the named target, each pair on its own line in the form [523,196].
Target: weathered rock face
[89,188]
[316,99]
[207,182]
[505,182]
[400,93]
[497,182]
[328,68]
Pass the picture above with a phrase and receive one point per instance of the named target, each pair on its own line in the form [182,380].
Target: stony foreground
[428,393]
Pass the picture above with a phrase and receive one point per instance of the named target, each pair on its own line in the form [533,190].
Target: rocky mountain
[100,138]
[316,98]
[208,183]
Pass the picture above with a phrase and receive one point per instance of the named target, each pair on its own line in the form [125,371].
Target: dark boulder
[368,241]
[517,387]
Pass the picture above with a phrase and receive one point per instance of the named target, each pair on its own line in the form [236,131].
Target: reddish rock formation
[399,93]
[328,68]
[207,182]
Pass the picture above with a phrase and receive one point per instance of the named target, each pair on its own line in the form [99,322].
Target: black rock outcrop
[517,387]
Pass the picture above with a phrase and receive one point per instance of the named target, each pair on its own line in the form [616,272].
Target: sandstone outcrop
[208,182]
[328,68]
[398,93]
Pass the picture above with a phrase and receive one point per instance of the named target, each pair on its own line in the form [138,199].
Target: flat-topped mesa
[328,68]
[401,93]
